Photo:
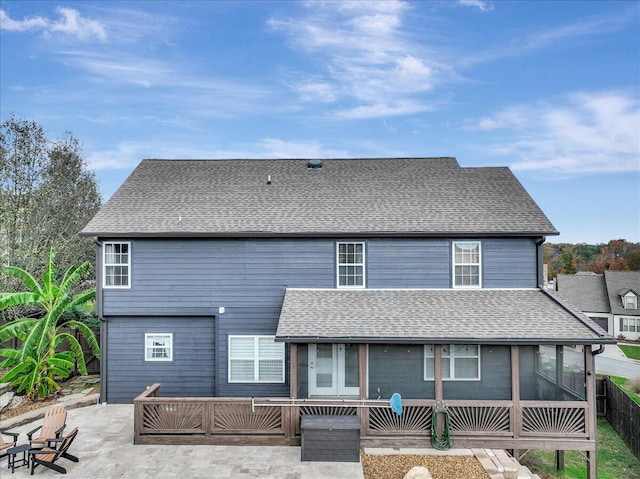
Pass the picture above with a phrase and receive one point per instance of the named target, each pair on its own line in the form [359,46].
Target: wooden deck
[554,425]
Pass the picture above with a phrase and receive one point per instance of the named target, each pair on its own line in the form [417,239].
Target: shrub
[634,384]
[621,337]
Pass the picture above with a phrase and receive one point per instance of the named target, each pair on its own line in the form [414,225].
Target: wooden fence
[623,414]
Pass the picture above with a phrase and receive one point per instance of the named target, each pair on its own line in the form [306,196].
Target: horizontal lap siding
[191,373]
[248,277]
[509,263]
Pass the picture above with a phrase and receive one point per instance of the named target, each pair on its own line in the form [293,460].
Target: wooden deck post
[293,371]
[437,376]
[516,411]
[362,382]
[590,392]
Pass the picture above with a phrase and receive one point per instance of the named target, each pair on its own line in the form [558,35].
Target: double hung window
[460,362]
[350,264]
[117,265]
[467,264]
[158,347]
[255,359]
[630,325]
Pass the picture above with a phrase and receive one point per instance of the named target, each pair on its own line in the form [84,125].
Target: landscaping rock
[418,472]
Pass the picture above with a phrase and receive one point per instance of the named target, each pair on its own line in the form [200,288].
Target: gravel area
[440,467]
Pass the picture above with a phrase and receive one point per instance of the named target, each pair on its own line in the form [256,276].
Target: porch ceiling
[510,316]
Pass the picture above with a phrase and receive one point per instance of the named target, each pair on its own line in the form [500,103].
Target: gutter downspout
[600,350]
[103,323]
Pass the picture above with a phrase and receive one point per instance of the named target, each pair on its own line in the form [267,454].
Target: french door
[333,370]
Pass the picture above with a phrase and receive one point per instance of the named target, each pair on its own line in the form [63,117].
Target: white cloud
[365,56]
[481,5]
[583,132]
[70,23]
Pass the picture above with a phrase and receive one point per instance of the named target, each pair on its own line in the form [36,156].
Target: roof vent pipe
[314,164]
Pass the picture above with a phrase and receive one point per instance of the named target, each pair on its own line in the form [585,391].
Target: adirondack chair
[7,445]
[53,424]
[47,456]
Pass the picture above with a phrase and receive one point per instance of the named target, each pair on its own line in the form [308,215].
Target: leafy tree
[46,196]
[36,365]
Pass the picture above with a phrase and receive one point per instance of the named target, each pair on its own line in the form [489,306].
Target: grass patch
[615,460]
[628,386]
[630,351]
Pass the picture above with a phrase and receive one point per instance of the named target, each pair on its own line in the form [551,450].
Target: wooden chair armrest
[30,433]
[40,451]
[13,434]
[59,431]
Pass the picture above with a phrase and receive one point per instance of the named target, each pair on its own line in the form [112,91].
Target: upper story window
[460,362]
[350,264]
[467,268]
[158,347]
[255,359]
[630,301]
[117,265]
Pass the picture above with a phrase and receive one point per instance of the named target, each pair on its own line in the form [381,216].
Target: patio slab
[105,447]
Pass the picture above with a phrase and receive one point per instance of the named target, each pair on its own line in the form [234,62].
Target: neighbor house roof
[496,316]
[588,293]
[620,282]
[391,196]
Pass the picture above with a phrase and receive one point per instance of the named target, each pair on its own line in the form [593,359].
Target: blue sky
[550,89]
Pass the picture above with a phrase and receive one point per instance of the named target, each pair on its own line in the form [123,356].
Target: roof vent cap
[314,164]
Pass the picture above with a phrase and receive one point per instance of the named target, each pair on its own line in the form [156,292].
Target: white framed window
[630,301]
[460,362]
[350,265]
[117,265]
[630,325]
[255,359]
[158,346]
[467,264]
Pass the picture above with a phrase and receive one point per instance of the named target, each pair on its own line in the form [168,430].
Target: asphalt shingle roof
[620,282]
[394,196]
[588,293]
[526,316]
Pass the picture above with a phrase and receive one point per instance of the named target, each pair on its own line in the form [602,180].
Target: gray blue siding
[191,373]
[182,278]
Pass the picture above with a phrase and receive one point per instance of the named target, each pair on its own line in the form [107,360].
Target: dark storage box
[330,438]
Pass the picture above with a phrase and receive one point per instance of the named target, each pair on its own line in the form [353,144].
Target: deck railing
[534,424]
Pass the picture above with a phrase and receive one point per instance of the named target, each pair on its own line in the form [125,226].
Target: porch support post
[516,418]
[590,386]
[437,371]
[559,388]
[362,382]
[362,370]
[293,371]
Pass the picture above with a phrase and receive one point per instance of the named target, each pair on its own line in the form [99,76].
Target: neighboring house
[343,281]
[611,299]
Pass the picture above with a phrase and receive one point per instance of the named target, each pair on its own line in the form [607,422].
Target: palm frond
[27,279]
[22,298]
[14,329]
[88,334]
[49,278]
[73,275]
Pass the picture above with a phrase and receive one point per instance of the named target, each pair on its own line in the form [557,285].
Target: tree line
[568,258]
[47,195]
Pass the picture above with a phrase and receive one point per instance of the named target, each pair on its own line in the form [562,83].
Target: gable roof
[622,281]
[390,196]
[588,293]
[496,316]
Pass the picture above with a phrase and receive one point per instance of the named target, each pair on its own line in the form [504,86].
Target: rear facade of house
[332,279]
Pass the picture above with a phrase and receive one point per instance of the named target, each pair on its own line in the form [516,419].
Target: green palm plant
[35,366]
